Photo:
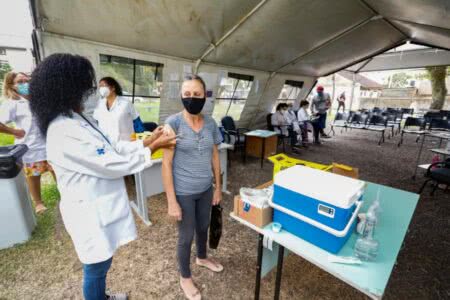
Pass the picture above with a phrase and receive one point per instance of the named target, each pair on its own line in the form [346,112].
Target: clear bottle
[366,247]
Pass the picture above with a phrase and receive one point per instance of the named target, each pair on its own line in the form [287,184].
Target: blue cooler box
[319,207]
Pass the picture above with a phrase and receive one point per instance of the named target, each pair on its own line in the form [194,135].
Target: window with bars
[232,96]
[141,82]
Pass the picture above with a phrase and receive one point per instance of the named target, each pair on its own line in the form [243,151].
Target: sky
[15,22]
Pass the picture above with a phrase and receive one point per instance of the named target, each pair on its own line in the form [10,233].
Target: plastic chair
[439,173]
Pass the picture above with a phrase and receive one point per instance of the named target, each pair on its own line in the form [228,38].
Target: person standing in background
[16,109]
[116,116]
[319,107]
[341,102]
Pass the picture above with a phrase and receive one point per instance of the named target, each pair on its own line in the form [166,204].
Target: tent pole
[353,92]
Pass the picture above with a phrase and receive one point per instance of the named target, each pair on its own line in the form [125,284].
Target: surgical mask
[193,105]
[23,89]
[104,91]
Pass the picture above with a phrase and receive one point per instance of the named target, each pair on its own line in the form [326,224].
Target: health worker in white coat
[89,167]
[16,109]
[116,115]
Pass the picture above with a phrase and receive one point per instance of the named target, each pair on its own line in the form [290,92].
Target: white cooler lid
[340,191]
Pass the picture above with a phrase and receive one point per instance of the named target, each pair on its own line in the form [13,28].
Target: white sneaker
[118,296]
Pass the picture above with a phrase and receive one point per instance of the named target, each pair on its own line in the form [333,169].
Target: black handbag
[215,226]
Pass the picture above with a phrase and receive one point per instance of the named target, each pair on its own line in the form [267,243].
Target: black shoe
[324,136]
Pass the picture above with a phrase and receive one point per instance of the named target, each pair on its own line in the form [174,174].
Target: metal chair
[439,173]
[418,123]
[230,131]
[340,120]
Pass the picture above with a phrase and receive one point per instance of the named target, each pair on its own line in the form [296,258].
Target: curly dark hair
[59,85]
[113,83]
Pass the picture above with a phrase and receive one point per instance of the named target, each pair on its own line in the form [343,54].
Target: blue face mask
[23,89]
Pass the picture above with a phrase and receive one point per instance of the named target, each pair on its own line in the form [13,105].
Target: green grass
[149,111]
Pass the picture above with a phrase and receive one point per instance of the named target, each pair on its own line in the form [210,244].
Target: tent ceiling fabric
[277,33]
[408,59]
[301,37]
[179,28]
[356,45]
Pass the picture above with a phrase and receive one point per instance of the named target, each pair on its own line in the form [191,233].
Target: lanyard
[95,128]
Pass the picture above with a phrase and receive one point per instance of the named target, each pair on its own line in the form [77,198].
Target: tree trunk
[438,89]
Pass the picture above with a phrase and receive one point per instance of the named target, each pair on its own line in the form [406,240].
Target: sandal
[40,208]
[216,267]
[194,296]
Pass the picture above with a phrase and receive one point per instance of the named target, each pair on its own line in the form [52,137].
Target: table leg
[244,151]
[279,271]
[259,266]
[263,142]
[418,156]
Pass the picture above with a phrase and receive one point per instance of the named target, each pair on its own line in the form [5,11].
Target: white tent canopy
[312,38]
[286,38]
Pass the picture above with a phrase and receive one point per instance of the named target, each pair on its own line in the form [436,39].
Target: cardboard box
[256,216]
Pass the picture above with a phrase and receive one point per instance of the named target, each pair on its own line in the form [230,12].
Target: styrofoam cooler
[319,207]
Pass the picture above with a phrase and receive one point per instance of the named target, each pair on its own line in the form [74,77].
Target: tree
[400,80]
[4,68]
[438,88]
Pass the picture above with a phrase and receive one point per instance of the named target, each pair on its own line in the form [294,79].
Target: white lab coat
[279,122]
[117,122]
[94,202]
[18,111]
[292,119]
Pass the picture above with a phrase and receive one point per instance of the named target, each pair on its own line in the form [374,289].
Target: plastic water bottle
[366,247]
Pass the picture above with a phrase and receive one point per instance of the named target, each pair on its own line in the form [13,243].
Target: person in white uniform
[116,115]
[89,167]
[16,109]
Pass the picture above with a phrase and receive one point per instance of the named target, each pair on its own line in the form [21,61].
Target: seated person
[292,118]
[281,123]
[305,122]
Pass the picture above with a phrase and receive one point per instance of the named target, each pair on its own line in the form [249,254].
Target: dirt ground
[146,268]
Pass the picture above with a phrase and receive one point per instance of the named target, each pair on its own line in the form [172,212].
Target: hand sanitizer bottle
[366,247]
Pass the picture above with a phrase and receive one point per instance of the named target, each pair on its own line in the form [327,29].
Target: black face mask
[193,105]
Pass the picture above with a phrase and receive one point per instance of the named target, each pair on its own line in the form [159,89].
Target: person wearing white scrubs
[16,109]
[88,165]
[116,115]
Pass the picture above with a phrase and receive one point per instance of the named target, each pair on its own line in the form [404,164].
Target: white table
[370,278]
[441,151]
[149,183]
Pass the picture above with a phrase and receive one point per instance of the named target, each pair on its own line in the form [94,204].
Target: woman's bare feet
[190,290]
[210,264]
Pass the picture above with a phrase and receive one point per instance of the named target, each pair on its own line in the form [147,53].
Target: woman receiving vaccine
[116,116]
[188,173]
